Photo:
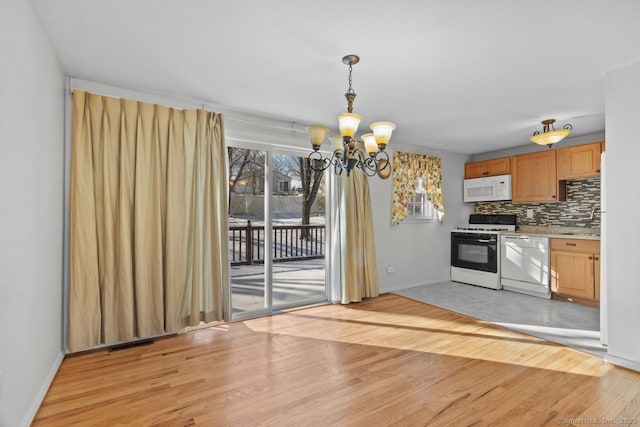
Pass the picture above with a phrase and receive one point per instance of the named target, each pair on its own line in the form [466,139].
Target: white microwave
[487,189]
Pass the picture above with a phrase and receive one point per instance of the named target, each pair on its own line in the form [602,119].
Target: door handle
[571,244]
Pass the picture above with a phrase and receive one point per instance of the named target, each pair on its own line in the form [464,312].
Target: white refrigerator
[603,250]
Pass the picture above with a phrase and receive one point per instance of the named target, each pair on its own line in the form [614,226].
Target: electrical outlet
[390,269]
[529,213]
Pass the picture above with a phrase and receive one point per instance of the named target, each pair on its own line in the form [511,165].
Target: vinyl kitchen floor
[565,323]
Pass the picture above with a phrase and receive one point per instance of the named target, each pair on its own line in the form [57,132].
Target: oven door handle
[483,240]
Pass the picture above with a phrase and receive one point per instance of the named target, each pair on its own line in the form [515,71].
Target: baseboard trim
[37,401]
[410,285]
[621,361]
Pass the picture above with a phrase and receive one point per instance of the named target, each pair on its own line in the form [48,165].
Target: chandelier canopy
[549,135]
[350,152]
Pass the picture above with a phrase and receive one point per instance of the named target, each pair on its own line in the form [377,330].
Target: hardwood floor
[386,361]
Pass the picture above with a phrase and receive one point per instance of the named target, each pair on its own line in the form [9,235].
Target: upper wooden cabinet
[579,161]
[483,168]
[534,178]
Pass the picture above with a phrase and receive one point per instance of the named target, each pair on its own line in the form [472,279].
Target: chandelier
[350,152]
[549,135]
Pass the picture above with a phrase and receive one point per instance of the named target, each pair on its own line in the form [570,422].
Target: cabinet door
[534,177]
[579,161]
[475,169]
[572,274]
[501,166]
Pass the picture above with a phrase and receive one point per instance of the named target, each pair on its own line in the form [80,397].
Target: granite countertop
[557,232]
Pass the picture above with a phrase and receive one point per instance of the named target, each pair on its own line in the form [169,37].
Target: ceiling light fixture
[348,152]
[550,135]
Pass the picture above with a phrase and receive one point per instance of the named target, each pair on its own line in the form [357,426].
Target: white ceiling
[463,75]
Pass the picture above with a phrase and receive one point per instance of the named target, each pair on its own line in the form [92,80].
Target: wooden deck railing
[290,243]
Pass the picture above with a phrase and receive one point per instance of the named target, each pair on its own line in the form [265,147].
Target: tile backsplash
[582,208]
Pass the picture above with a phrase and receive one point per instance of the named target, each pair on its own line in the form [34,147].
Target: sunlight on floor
[457,336]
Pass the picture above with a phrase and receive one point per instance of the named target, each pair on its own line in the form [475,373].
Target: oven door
[474,251]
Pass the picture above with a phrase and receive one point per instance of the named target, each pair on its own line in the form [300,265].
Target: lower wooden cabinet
[575,268]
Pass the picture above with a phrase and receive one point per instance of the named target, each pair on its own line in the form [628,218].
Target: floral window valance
[411,171]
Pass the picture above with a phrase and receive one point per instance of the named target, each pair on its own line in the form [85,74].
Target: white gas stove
[475,249]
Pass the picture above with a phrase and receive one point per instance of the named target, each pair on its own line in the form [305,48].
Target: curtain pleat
[84,306]
[148,194]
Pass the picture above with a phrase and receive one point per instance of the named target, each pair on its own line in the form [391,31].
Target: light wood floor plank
[385,361]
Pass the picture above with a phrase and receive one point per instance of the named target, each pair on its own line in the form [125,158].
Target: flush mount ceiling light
[549,135]
[348,150]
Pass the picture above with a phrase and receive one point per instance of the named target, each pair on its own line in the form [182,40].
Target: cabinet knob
[596,258]
[590,257]
[553,196]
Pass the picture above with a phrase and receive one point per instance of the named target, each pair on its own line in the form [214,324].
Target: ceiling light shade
[382,132]
[348,150]
[316,135]
[337,143]
[549,135]
[348,123]
[370,143]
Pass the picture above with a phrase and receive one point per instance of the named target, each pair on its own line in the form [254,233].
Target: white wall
[31,193]
[418,252]
[623,213]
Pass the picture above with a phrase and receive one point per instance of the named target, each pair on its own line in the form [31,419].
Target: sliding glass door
[277,236]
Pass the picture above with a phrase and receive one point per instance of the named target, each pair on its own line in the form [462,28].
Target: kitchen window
[420,207]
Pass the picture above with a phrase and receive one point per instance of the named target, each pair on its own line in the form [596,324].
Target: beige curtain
[148,203]
[357,274]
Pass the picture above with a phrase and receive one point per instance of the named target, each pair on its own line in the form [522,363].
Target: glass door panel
[298,232]
[247,183]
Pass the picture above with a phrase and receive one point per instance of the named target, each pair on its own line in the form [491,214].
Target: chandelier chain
[350,90]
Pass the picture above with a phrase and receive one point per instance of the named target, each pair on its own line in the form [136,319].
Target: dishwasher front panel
[525,265]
